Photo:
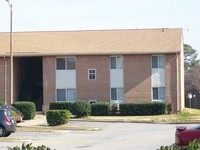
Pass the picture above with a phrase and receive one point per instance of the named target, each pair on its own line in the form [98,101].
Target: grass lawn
[187,115]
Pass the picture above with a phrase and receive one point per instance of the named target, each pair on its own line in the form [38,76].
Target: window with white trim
[158,61]
[92,74]
[117,93]
[65,63]
[159,93]
[68,95]
[116,62]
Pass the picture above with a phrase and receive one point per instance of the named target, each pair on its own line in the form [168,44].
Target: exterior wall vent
[92,101]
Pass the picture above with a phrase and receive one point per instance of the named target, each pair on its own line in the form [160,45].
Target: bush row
[132,109]
[104,109]
[60,106]
[27,108]
[83,108]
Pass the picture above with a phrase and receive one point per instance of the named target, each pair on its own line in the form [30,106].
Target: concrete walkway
[39,120]
[39,123]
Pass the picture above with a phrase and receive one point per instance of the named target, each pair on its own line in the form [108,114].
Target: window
[68,63]
[158,93]
[116,62]
[92,74]
[71,63]
[60,63]
[66,95]
[71,94]
[117,93]
[61,95]
[158,61]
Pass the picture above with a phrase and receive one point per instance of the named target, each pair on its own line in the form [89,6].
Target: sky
[67,15]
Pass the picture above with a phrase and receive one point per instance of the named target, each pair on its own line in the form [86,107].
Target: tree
[191,55]
[192,79]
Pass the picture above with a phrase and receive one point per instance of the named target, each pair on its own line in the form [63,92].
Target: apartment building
[117,66]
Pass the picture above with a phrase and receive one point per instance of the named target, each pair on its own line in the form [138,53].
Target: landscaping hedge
[27,108]
[81,109]
[57,117]
[100,109]
[114,109]
[140,109]
[60,106]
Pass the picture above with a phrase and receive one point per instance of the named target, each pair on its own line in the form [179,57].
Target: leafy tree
[191,55]
[192,79]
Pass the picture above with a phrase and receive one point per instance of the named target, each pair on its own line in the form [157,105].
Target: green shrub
[57,117]
[60,106]
[29,147]
[81,109]
[114,108]
[140,109]
[2,102]
[100,109]
[169,108]
[27,108]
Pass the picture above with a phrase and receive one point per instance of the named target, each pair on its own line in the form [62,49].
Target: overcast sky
[65,15]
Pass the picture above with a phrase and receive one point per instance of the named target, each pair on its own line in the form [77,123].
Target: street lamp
[190,98]
[11,53]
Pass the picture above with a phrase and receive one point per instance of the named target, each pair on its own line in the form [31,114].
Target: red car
[184,135]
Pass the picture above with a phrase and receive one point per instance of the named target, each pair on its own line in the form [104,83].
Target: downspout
[5,79]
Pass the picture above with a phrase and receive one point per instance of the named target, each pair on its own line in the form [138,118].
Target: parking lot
[114,136]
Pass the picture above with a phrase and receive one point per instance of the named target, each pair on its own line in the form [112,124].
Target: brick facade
[49,81]
[3,89]
[171,79]
[98,89]
[137,78]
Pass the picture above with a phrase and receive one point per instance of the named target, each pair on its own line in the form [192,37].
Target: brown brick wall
[98,89]
[2,78]
[16,79]
[171,80]
[49,81]
[137,78]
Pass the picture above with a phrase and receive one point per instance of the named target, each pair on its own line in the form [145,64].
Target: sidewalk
[39,123]
[39,120]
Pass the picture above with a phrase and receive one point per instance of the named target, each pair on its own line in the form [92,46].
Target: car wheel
[2,131]
[7,134]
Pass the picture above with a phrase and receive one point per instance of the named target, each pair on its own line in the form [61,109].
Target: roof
[93,42]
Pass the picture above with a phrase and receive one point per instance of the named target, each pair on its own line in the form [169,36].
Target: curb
[137,121]
[42,128]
